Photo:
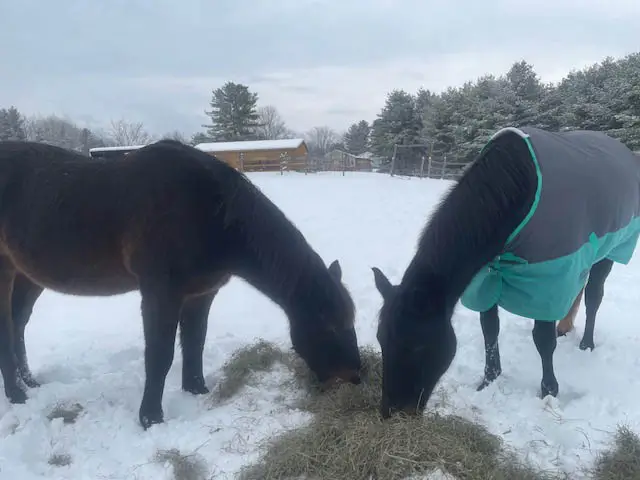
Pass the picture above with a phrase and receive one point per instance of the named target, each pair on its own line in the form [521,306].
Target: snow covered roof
[245,146]
[115,149]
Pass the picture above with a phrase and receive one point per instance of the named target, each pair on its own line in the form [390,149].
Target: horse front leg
[193,333]
[160,315]
[490,323]
[25,294]
[544,337]
[13,387]
[594,292]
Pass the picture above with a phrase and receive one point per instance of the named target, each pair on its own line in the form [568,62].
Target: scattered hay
[238,370]
[348,440]
[68,413]
[622,462]
[185,467]
[60,460]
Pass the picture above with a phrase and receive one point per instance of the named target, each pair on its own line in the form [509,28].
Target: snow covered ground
[89,351]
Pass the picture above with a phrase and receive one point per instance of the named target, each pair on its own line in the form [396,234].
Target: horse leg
[13,387]
[544,337]
[594,291]
[193,332]
[160,316]
[490,323]
[566,324]
[25,294]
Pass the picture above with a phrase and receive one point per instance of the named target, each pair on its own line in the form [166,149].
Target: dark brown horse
[175,224]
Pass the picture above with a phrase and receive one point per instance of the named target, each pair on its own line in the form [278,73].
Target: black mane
[475,218]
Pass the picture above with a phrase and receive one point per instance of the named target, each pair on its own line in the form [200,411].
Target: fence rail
[424,163]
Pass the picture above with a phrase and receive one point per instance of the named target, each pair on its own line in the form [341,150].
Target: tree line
[456,122]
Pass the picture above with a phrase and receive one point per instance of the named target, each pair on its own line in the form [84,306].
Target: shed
[261,155]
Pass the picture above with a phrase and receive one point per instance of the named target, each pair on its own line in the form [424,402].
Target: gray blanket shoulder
[588,209]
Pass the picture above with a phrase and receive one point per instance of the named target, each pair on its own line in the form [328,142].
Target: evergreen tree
[233,113]
[12,124]
[356,140]
[398,123]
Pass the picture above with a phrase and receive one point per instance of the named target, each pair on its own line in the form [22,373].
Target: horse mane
[474,219]
[277,244]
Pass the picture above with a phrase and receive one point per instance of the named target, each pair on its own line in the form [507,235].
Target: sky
[319,62]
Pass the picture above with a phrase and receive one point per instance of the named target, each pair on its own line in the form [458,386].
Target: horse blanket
[586,208]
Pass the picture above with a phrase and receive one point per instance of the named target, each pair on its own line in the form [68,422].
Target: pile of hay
[348,440]
[622,462]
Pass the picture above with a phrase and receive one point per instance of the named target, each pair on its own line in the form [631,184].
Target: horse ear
[382,283]
[335,270]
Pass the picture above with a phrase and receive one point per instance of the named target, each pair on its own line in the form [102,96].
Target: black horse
[174,223]
[474,225]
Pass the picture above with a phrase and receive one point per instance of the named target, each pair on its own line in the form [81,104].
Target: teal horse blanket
[586,208]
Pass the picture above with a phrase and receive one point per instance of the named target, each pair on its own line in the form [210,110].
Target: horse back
[82,226]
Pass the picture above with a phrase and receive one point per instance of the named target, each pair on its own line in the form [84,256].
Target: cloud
[318,61]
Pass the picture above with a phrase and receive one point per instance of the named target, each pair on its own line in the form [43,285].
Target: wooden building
[338,160]
[261,155]
[112,152]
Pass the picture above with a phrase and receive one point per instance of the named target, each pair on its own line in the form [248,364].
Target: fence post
[242,161]
[429,167]
[393,159]
[422,167]
[444,166]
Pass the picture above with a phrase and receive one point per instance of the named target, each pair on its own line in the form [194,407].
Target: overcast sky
[320,62]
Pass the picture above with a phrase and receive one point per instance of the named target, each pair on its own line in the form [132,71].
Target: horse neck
[295,279]
[472,225]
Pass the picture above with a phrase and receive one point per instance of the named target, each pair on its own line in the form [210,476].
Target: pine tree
[233,113]
[12,125]
[356,139]
[397,123]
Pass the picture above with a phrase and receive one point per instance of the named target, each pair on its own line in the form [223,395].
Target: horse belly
[76,268]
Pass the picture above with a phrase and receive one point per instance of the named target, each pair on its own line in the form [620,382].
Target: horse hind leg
[594,292]
[567,323]
[13,386]
[193,333]
[25,294]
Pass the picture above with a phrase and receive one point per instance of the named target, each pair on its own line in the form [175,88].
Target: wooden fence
[426,165]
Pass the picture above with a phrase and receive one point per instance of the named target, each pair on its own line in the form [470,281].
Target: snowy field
[90,351]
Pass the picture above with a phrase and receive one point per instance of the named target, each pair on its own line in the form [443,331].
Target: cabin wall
[264,160]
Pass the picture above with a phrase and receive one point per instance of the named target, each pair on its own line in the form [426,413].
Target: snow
[90,351]
[246,146]
[116,149]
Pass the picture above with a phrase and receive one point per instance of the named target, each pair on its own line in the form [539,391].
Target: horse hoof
[484,384]
[147,420]
[545,390]
[17,396]
[584,345]
[196,388]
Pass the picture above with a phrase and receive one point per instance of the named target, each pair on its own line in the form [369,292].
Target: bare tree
[129,133]
[65,133]
[271,125]
[320,140]
[176,135]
